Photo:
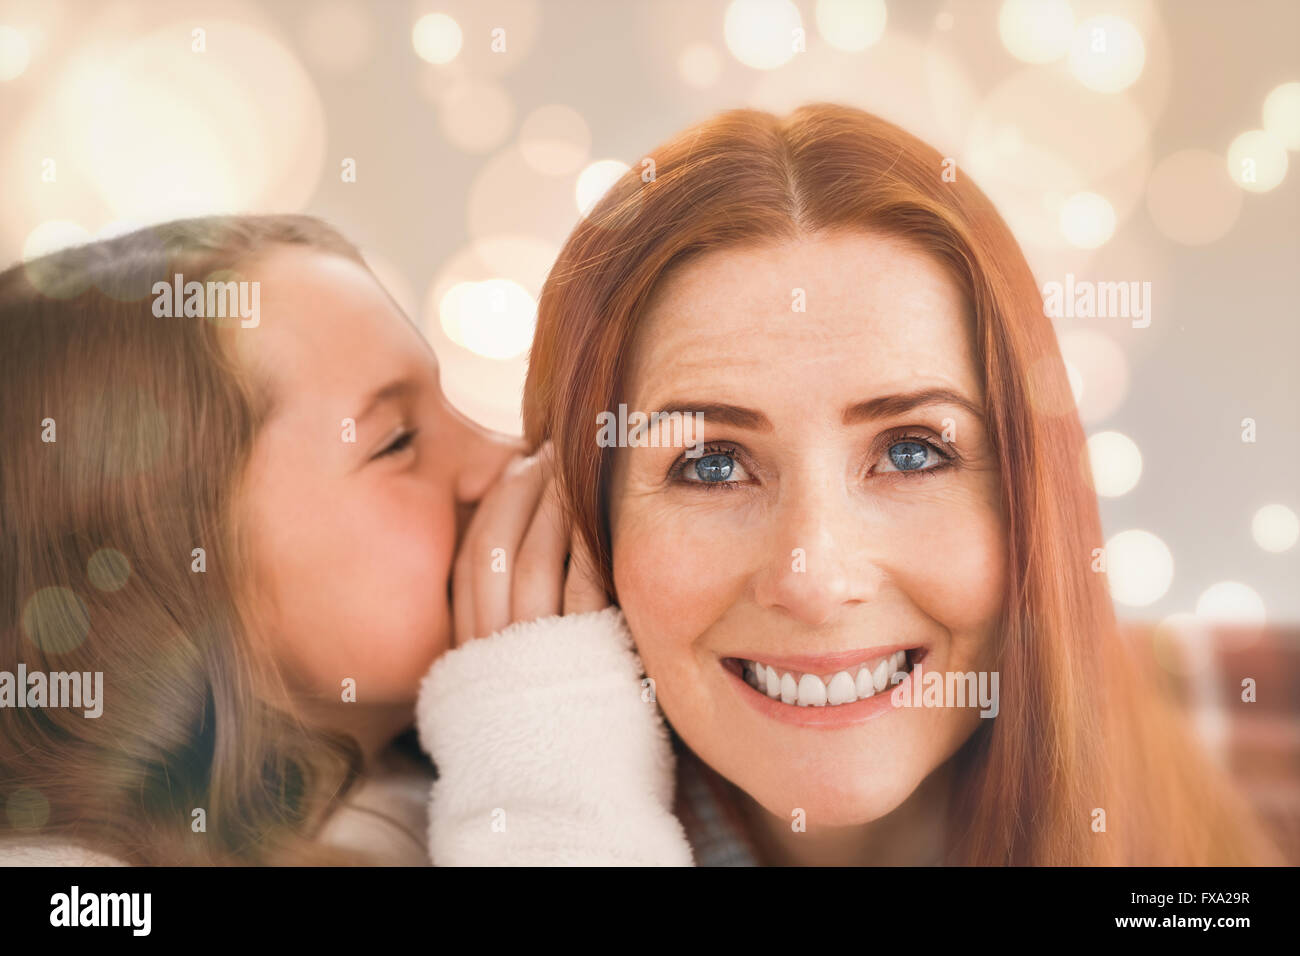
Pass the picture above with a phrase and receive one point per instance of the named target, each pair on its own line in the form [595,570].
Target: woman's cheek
[955,571]
[673,579]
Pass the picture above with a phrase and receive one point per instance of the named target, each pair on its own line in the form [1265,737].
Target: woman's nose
[817,563]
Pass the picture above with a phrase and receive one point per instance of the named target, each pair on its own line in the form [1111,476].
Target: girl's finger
[500,523]
[582,588]
[538,586]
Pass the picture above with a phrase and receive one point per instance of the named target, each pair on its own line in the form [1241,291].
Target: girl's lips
[829,717]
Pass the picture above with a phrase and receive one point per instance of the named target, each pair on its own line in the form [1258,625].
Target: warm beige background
[468,171]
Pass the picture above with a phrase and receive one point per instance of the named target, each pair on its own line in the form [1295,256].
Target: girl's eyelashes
[903,455]
[400,442]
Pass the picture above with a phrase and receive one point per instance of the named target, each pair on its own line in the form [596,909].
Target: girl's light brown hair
[1082,729]
[152,425]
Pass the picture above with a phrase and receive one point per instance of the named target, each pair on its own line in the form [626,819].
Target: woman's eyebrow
[885,406]
[720,413]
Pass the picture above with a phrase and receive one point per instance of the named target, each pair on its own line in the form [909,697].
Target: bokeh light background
[482,129]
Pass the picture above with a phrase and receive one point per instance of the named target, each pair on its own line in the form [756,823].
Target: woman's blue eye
[909,455]
[714,467]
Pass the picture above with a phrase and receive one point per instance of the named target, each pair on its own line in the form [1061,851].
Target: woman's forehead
[834,313]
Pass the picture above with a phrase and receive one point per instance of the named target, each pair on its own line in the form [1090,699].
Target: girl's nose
[481,455]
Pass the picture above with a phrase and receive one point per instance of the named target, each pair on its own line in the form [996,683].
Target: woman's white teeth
[789,689]
[864,685]
[880,676]
[812,690]
[842,689]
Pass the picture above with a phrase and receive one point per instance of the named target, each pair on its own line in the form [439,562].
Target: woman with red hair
[876,482]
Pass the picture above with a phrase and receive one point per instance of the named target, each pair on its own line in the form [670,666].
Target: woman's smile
[827,691]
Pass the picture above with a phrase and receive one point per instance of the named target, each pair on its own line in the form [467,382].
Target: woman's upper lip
[822,663]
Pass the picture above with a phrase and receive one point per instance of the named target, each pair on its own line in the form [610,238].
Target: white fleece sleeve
[36,853]
[549,752]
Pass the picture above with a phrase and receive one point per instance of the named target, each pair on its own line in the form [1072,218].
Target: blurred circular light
[1087,220]
[509,197]
[1036,31]
[495,318]
[15,54]
[555,140]
[1069,140]
[1102,367]
[52,236]
[1107,54]
[760,33]
[1139,567]
[108,569]
[1009,141]
[1176,642]
[595,180]
[55,619]
[436,38]
[700,65]
[1282,114]
[338,35]
[1230,602]
[1275,528]
[239,128]
[1076,381]
[851,25]
[49,277]
[455,301]
[1257,161]
[1116,463]
[1190,199]
[476,117]
[26,808]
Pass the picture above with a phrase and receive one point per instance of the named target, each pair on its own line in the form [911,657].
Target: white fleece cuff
[549,750]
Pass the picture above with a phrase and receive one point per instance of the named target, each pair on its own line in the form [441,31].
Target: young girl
[233,488]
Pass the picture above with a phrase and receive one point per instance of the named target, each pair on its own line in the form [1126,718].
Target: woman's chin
[824,803]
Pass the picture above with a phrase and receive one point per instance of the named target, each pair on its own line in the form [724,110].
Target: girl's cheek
[408,565]
[372,595]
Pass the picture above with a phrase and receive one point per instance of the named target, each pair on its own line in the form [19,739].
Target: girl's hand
[511,564]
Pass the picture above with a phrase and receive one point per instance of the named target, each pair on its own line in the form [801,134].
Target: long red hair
[1082,728]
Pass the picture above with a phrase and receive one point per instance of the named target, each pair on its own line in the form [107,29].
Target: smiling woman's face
[846,507]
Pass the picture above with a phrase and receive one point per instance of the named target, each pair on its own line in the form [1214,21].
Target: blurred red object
[1214,671]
